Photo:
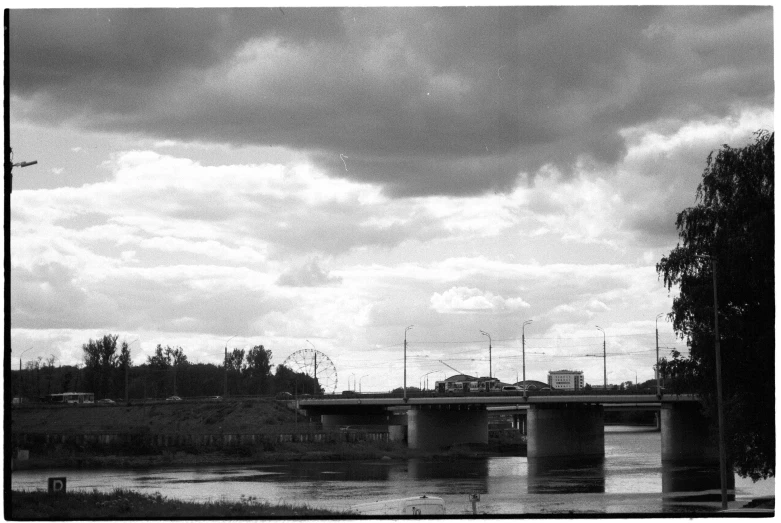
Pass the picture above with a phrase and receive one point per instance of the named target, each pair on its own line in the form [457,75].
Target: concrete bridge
[565,426]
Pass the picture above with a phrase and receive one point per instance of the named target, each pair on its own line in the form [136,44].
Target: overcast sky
[321,177]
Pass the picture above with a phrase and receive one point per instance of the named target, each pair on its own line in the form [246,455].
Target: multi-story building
[566,379]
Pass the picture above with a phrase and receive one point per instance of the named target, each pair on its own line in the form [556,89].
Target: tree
[287,380]
[732,224]
[259,369]
[100,360]
[161,363]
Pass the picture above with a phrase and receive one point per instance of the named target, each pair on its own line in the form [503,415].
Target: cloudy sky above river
[323,177]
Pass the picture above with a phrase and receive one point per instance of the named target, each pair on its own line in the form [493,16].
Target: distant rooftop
[565,372]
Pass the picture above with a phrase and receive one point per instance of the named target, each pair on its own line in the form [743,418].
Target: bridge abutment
[561,430]
[435,428]
[332,421]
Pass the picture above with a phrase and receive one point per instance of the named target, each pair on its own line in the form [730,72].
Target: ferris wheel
[315,364]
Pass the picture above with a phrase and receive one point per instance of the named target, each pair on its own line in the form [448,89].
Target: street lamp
[20,358]
[348,381]
[604,353]
[658,384]
[9,169]
[490,369]
[405,361]
[360,389]
[314,385]
[225,367]
[421,379]
[127,365]
[523,351]
[21,392]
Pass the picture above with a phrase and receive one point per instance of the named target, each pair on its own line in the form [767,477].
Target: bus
[72,397]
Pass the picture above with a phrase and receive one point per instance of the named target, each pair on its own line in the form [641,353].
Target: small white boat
[415,506]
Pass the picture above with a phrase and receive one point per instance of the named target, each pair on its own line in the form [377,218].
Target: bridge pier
[565,429]
[434,428]
[685,435]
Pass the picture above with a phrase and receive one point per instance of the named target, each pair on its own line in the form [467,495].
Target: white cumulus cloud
[459,300]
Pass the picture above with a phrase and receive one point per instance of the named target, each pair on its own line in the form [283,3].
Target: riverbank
[124,504]
[235,432]
[248,455]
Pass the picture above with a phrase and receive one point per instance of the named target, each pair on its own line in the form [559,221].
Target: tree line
[108,372]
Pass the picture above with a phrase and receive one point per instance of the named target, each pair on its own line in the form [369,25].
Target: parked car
[215,398]
[107,401]
[284,396]
[511,388]
[173,398]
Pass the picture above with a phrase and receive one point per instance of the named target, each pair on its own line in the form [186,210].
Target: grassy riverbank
[123,504]
[283,452]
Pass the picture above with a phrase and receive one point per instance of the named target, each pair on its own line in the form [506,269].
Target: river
[630,479]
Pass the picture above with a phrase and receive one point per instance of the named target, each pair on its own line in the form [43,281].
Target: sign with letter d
[57,485]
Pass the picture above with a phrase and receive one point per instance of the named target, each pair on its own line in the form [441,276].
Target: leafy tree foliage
[165,372]
[259,369]
[167,357]
[101,364]
[287,380]
[164,368]
[733,225]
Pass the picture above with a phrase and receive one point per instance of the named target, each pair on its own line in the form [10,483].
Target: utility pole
[523,350]
[490,369]
[658,385]
[127,366]
[405,361]
[314,385]
[225,369]
[722,446]
[225,373]
[604,353]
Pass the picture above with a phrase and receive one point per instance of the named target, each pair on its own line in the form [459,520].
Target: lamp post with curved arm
[225,367]
[405,361]
[523,350]
[21,382]
[490,368]
[314,386]
[604,353]
[421,379]
[127,366]
[360,390]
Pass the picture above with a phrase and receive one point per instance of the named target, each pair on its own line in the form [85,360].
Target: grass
[126,504]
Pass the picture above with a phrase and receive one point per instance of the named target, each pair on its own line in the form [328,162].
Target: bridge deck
[606,399]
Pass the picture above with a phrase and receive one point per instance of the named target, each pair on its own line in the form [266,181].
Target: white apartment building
[566,379]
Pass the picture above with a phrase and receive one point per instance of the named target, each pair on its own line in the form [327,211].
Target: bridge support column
[685,435]
[565,430]
[431,429]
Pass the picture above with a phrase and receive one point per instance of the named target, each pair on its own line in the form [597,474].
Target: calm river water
[631,479]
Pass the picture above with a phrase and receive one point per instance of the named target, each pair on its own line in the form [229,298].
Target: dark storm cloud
[422,100]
